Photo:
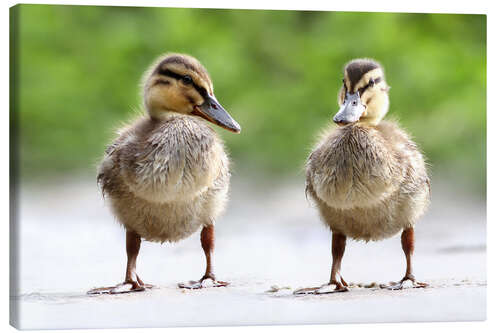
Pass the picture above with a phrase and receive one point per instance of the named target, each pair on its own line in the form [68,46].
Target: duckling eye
[186,79]
[371,83]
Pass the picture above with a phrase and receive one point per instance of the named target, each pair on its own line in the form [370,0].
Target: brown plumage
[167,173]
[367,177]
[164,179]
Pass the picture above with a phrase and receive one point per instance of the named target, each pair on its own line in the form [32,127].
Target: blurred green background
[77,72]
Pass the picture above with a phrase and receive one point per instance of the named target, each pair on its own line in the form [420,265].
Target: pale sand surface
[269,236]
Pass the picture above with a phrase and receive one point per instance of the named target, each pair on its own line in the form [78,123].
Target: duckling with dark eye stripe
[366,176]
[167,174]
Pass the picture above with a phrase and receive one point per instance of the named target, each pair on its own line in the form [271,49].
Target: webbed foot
[122,288]
[207,281]
[324,289]
[406,283]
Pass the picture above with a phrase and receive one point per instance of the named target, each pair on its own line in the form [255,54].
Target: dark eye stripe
[202,91]
[161,81]
[169,73]
[362,89]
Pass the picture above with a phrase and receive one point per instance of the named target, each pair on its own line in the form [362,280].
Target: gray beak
[212,111]
[351,110]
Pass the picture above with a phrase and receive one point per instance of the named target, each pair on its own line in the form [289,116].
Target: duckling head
[364,96]
[179,83]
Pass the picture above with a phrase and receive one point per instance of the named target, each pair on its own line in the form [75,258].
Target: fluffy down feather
[165,178]
[369,182]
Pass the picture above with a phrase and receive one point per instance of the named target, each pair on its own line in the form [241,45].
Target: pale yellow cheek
[196,98]
[377,107]
[367,99]
[370,100]
[173,100]
[173,97]
[154,99]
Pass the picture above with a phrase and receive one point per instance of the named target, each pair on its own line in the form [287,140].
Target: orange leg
[207,238]
[338,249]
[337,283]
[132,281]
[408,245]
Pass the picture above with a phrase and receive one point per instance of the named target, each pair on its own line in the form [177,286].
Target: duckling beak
[351,110]
[212,111]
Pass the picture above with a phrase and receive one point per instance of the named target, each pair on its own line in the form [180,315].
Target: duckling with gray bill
[167,175]
[366,176]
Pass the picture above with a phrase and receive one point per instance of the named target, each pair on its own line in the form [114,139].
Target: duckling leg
[132,281]
[337,283]
[408,245]
[207,238]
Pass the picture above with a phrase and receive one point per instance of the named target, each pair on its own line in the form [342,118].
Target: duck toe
[208,282]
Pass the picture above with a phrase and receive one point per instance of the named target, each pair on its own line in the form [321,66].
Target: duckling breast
[353,167]
[176,160]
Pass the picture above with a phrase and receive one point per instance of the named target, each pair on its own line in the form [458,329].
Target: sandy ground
[269,236]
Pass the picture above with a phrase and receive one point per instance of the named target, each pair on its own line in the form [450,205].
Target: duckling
[167,173]
[366,176]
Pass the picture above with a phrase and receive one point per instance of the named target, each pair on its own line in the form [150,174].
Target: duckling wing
[410,160]
[108,170]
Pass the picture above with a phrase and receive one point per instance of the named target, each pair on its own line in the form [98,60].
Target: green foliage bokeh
[276,72]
